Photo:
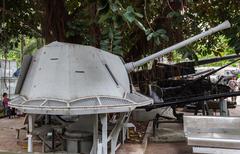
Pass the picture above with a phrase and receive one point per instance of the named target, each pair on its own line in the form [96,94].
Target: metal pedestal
[223,107]
[100,142]
[29,136]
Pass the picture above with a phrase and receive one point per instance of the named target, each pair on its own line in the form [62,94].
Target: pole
[29,136]
[103,118]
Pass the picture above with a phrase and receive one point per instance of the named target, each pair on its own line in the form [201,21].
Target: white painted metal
[29,136]
[132,65]
[82,106]
[95,135]
[103,118]
[71,79]
[212,131]
[30,145]
[223,107]
[99,150]
[69,71]
[113,136]
[215,150]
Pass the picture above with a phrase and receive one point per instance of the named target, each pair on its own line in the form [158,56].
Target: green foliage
[17,18]
[129,28]
[130,15]
[30,45]
[210,13]
[157,35]
[111,41]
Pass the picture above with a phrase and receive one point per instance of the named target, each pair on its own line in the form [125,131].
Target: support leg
[115,132]
[104,132]
[30,128]
[223,107]
[95,135]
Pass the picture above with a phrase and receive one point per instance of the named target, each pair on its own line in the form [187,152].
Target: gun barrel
[132,65]
[213,60]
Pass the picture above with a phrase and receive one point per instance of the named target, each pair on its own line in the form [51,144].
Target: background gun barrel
[213,60]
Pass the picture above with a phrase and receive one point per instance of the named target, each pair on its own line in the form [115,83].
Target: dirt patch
[136,137]
[8,140]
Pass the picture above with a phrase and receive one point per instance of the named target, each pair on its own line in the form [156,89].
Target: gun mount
[91,81]
[68,79]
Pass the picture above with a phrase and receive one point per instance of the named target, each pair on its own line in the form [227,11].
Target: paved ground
[168,148]
[131,149]
[8,133]
[165,148]
[8,141]
[168,133]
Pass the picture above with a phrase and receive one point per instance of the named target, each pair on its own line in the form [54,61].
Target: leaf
[140,25]
[129,16]
[148,31]
[161,31]
[157,41]
[173,14]
[116,42]
[117,37]
[138,15]
[130,9]
[114,7]
[149,37]
[117,48]
[110,33]
[165,37]
[104,17]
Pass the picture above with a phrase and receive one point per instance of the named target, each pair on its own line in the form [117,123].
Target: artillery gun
[162,71]
[68,79]
[178,82]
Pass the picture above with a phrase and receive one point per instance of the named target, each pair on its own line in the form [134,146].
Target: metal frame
[215,150]
[100,143]
[62,107]
[211,134]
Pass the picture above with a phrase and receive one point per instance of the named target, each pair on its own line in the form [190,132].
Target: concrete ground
[168,148]
[8,140]
[131,149]
[9,143]
[163,143]
[165,148]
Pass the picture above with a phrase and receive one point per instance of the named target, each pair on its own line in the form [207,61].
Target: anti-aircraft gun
[176,82]
[174,92]
[194,89]
[63,79]
[162,71]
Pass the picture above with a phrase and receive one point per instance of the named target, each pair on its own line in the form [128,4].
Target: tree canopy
[129,28]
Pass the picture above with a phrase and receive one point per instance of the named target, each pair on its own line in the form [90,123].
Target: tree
[128,28]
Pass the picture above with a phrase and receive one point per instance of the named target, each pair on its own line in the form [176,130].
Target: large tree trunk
[94,28]
[54,21]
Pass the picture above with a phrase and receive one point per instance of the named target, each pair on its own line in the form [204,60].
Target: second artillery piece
[180,84]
